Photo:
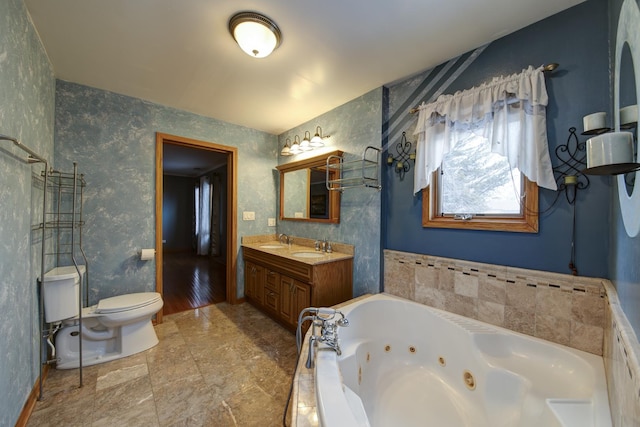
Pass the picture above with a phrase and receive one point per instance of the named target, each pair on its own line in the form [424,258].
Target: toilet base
[100,346]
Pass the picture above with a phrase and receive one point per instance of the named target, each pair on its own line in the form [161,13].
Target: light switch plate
[248,216]
[271,222]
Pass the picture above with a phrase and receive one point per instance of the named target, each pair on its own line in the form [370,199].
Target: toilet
[116,327]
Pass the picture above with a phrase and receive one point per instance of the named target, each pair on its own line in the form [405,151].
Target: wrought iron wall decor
[568,173]
[570,179]
[405,155]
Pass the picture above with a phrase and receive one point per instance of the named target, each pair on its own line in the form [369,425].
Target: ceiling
[180,53]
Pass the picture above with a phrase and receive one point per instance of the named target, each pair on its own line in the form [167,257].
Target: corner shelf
[364,172]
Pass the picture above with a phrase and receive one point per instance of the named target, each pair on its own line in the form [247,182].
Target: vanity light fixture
[295,147]
[256,34]
[316,141]
[286,150]
[305,145]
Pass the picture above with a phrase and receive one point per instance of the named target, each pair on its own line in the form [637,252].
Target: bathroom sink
[308,254]
[272,246]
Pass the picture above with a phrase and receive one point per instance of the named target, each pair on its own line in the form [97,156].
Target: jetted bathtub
[406,364]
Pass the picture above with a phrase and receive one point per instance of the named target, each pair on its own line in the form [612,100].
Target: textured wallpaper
[112,137]
[26,113]
[352,127]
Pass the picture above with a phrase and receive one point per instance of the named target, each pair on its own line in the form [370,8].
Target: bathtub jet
[417,366]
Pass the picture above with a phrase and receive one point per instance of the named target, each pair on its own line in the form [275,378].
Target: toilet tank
[60,288]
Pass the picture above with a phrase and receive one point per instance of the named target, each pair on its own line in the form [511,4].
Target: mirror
[628,24]
[628,97]
[303,192]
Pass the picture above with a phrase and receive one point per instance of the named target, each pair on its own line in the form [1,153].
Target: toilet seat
[126,302]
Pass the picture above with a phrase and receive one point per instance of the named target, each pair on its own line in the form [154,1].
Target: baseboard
[27,409]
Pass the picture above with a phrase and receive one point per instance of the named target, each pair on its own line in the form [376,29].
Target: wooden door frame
[232,226]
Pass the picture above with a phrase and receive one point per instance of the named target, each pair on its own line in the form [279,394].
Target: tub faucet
[325,319]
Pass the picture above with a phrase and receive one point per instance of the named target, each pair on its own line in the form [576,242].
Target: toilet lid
[126,302]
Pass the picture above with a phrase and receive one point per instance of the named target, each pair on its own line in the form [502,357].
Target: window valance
[510,112]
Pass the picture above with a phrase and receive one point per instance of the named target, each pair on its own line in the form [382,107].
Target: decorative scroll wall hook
[402,160]
[570,179]
[568,173]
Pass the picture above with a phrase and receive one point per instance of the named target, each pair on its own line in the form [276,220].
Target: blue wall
[578,40]
[26,113]
[112,137]
[624,257]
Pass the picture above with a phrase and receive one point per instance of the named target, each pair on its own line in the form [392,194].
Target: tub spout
[325,319]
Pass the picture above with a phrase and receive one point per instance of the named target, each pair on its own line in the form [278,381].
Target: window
[476,189]
[482,153]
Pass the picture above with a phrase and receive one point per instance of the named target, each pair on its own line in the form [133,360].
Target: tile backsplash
[564,309]
[579,312]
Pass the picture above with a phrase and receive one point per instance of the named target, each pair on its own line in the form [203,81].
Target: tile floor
[219,365]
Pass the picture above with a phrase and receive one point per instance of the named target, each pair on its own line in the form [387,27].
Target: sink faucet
[283,238]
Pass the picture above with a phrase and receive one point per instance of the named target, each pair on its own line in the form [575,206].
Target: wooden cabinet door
[301,299]
[271,301]
[254,281]
[294,297]
[286,298]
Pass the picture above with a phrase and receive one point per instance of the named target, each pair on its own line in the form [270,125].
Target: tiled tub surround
[507,291]
[621,350]
[559,308]
[583,313]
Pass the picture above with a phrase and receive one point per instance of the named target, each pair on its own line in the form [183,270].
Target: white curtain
[215,216]
[510,112]
[203,226]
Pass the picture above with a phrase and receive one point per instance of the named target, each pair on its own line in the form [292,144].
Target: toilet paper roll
[594,121]
[147,254]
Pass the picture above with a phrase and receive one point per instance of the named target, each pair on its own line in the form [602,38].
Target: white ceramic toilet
[116,327]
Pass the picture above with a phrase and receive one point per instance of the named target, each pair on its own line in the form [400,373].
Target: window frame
[527,222]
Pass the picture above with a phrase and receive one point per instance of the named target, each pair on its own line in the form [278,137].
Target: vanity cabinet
[282,287]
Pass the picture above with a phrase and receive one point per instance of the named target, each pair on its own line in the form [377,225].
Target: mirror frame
[628,23]
[334,196]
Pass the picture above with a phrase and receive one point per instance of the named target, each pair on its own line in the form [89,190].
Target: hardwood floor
[191,281]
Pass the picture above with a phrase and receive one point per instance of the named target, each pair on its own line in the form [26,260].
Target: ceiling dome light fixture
[256,34]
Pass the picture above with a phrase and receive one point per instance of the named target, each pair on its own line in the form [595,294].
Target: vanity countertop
[288,251]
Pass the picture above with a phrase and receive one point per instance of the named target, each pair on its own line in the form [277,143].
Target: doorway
[189,269]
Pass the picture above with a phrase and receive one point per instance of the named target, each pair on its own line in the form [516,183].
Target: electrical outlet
[248,216]
[271,222]
[298,215]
